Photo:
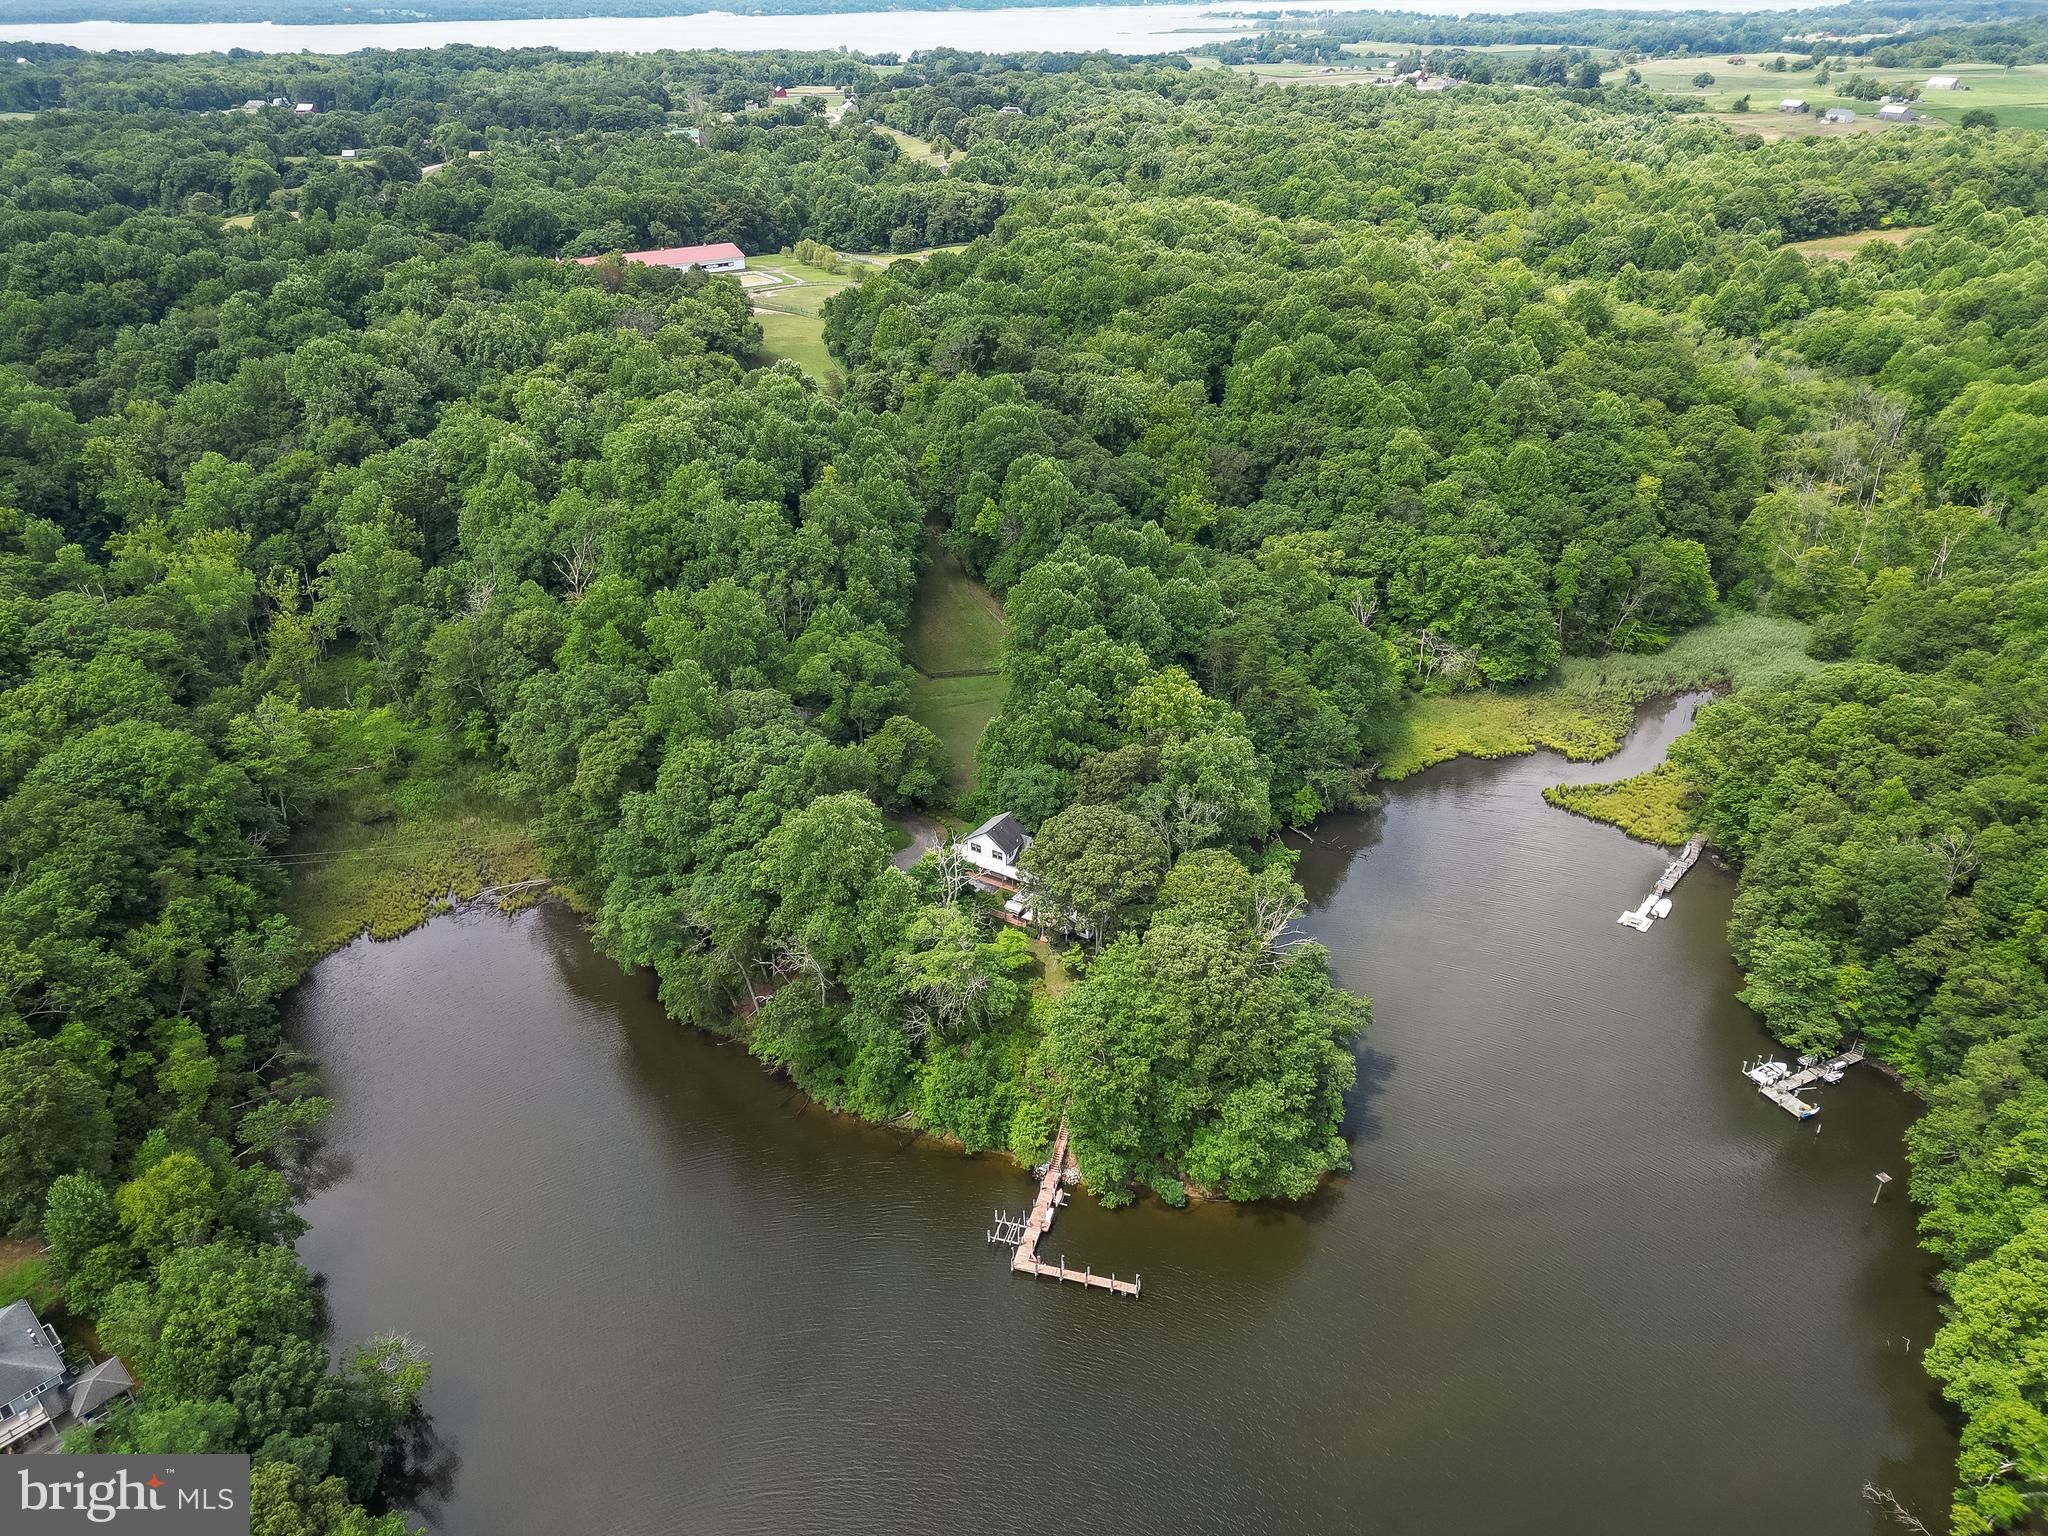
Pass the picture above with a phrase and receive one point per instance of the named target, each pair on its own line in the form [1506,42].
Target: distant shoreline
[282,14]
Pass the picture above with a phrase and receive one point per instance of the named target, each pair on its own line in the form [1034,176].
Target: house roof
[1003,830]
[100,1386]
[677,255]
[27,1360]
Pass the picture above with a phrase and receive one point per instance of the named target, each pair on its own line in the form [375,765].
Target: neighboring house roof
[678,255]
[27,1358]
[99,1387]
[1004,831]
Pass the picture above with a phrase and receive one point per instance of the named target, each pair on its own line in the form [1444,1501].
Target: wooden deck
[1785,1091]
[1052,1195]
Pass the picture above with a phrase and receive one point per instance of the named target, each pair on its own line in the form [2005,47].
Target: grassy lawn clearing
[956,709]
[956,624]
[911,145]
[800,338]
[1843,247]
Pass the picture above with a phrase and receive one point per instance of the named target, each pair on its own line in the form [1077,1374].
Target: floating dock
[1658,903]
[1024,1235]
[1781,1084]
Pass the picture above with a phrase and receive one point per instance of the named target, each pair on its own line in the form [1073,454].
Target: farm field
[1795,125]
[2019,96]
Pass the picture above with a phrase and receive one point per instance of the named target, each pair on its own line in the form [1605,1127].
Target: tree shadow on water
[420,1468]
[1360,1122]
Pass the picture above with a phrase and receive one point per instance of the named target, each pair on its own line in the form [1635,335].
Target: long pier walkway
[1027,1234]
[1641,918]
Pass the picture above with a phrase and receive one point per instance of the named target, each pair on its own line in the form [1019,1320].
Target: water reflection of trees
[419,1471]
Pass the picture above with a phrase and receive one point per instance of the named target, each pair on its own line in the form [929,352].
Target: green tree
[1094,867]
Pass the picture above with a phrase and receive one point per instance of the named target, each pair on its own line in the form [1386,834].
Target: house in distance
[723,256]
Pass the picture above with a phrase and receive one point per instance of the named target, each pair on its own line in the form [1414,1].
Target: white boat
[1663,907]
[1765,1073]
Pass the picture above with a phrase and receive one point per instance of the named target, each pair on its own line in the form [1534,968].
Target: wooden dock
[1027,1234]
[1641,918]
[1785,1091]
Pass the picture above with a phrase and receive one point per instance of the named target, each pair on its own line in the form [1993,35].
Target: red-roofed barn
[721,257]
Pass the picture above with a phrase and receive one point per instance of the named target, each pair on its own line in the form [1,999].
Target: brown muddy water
[1583,1279]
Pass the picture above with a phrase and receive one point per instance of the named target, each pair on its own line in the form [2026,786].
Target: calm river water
[1583,1280]
[1113,28]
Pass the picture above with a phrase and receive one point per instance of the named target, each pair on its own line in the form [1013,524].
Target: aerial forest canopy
[325,479]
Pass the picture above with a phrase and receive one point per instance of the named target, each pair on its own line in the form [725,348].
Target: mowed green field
[800,338]
[956,710]
[804,288]
[956,625]
[911,145]
[2019,96]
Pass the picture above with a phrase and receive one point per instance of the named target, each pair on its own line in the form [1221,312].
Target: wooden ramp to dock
[1028,1233]
[1641,918]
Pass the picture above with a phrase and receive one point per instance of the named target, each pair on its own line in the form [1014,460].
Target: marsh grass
[1586,711]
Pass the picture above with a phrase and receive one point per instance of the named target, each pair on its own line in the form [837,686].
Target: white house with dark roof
[31,1374]
[43,1396]
[996,846]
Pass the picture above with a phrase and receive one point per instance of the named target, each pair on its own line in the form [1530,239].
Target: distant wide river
[1583,1281]
[1081,28]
